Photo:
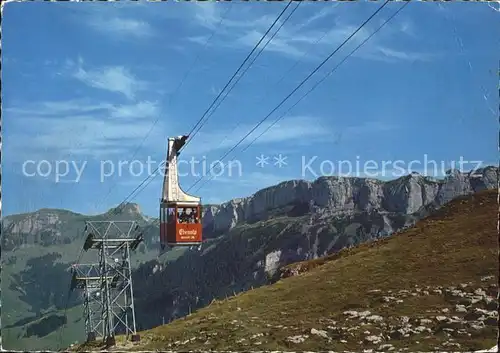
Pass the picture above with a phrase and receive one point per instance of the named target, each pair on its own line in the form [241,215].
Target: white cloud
[389,54]
[114,79]
[209,14]
[206,13]
[301,33]
[81,128]
[326,11]
[142,109]
[408,27]
[198,39]
[241,27]
[50,108]
[121,27]
[118,20]
[296,130]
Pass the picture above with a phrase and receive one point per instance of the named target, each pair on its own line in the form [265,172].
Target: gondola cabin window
[187,215]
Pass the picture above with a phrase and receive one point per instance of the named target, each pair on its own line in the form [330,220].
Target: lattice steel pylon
[87,278]
[114,241]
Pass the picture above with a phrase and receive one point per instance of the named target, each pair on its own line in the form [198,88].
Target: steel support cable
[234,75]
[297,88]
[271,113]
[327,75]
[246,69]
[176,92]
[321,81]
[264,96]
[299,60]
[236,82]
[118,208]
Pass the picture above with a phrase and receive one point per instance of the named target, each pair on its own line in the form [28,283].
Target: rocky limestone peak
[132,208]
[129,209]
[408,194]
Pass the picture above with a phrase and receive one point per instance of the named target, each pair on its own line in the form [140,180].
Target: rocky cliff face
[405,195]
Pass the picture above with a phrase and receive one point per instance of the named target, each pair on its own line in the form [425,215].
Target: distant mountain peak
[128,208]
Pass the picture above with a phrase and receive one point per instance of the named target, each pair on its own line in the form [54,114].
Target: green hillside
[431,287]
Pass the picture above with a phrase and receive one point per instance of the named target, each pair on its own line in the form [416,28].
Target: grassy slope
[456,245]
[14,309]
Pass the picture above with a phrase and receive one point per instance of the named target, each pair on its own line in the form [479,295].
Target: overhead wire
[247,68]
[319,82]
[286,98]
[176,91]
[299,60]
[290,69]
[328,74]
[296,88]
[140,145]
[153,174]
[195,129]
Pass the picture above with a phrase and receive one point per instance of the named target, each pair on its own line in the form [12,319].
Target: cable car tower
[114,241]
[86,277]
[180,213]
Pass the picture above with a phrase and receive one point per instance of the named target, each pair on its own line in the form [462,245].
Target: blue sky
[85,82]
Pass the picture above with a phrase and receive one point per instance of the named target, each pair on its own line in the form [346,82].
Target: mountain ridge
[243,250]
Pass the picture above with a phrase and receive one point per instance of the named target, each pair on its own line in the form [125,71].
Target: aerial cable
[296,88]
[150,177]
[176,92]
[117,209]
[235,73]
[298,61]
[251,63]
[327,75]
[246,69]
[146,136]
[320,81]
[281,79]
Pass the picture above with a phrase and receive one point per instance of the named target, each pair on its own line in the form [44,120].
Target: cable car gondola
[180,213]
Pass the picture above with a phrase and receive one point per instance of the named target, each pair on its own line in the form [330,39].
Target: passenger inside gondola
[194,215]
[190,212]
[181,216]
